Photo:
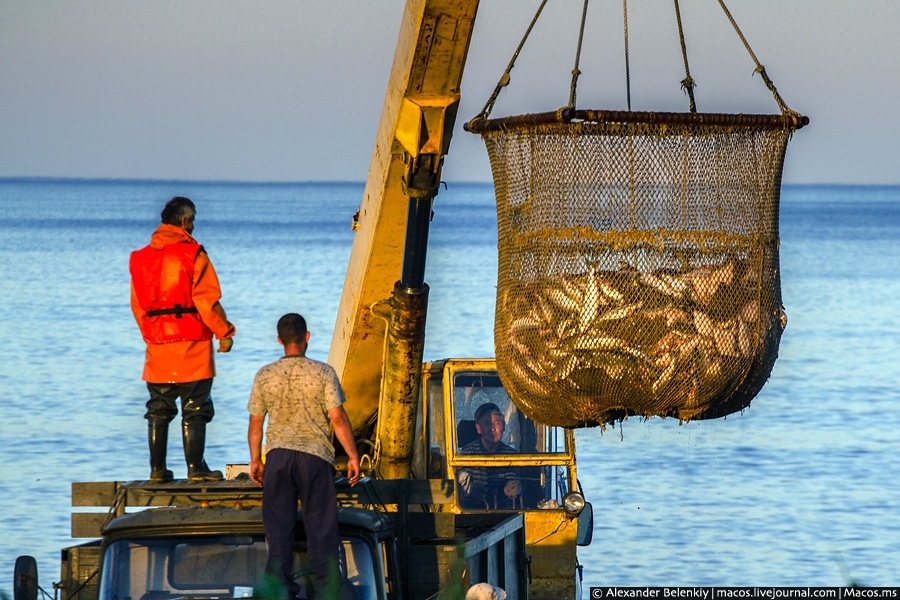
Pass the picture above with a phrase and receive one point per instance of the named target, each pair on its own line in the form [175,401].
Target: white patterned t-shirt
[296,394]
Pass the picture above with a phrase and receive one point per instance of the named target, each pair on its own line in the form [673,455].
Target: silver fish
[617,314]
[591,303]
[744,343]
[704,324]
[608,290]
[750,312]
[564,368]
[665,377]
[598,342]
[726,341]
[656,283]
[558,298]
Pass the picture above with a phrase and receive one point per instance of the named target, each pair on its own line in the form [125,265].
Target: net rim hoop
[571,116]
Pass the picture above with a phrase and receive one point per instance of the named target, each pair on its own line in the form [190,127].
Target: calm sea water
[802,488]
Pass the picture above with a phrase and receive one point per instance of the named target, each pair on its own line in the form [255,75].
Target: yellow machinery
[415,414]
[638,275]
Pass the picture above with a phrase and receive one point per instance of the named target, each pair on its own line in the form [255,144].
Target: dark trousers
[288,476]
[196,402]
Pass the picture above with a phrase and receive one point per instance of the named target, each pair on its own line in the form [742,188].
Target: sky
[292,90]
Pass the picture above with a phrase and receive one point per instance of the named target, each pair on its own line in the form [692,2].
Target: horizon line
[71,179]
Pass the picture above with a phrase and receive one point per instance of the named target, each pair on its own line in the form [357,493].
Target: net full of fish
[614,343]
[637,265]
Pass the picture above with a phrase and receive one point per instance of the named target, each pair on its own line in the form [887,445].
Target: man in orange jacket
[175,300]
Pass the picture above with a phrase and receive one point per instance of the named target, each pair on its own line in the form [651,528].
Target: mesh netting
[638,265]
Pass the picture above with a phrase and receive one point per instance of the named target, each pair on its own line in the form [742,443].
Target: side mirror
[585,526]
[25,579]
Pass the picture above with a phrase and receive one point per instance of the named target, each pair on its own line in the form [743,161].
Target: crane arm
[384,285]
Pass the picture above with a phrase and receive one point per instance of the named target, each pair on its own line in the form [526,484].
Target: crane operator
[488,487]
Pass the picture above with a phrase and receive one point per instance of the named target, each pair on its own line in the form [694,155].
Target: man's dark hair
[176,208]
[292,329]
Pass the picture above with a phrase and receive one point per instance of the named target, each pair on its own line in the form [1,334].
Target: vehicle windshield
[506,433]
[472,390]
[214,567]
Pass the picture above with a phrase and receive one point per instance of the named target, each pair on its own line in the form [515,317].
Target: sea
[802,488]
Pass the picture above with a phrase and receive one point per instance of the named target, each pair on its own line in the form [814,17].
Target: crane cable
[575,71]
[627,60]
[759,68]
[688,83]
[504,79]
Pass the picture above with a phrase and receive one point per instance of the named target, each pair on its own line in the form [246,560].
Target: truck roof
[218,519]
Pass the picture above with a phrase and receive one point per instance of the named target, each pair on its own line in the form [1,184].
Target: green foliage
[271,588]
[332,589]
[456,590]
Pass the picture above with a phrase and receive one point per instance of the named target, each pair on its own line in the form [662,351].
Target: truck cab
[182,539]
[432,510]
[220,552]
[540,458]
[190,541]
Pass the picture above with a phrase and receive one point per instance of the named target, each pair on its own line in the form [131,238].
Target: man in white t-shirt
[303,401]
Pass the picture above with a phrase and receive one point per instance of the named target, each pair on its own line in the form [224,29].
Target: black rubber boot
[158,439]
[194,445]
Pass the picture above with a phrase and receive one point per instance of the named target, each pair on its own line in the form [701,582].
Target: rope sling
[638,268]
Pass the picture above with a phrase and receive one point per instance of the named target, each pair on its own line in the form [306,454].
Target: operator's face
[491,428]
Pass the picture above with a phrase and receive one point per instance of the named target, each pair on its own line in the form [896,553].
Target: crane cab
[539,458]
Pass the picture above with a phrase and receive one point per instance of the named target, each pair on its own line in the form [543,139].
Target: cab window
[488,426]
[472,390]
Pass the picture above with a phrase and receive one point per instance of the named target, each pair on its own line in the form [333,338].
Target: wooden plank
[87,525]
[94,493]
[186,493]
[495,535]
[431,567]
[513,566]
[493,565]
[79,571]
[174,493]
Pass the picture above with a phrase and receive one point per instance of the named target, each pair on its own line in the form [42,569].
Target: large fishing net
[638,269]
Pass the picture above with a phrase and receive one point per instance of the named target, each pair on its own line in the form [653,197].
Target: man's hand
[256,472]
[254,443]
[344,433]
[512,489]
[464,478]
[226,344]
[353,470]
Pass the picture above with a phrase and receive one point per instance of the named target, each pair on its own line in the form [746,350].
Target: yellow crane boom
[385,276]
[418,414]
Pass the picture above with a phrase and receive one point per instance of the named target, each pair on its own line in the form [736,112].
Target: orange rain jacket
[192,359]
